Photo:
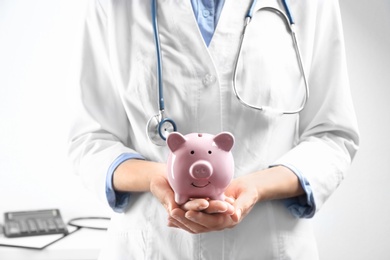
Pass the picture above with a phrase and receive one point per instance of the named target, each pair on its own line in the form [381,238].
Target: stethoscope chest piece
[158,128]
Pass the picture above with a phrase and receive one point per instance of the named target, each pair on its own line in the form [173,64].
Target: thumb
[161,189]
[243,205]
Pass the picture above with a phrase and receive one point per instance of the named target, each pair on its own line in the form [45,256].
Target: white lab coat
[119,94]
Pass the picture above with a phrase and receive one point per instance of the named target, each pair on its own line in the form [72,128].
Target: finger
[209,222]
[243,205]
[236,216]
[179,219]
[196,205]
[217,206]
[229,200]
[177,224]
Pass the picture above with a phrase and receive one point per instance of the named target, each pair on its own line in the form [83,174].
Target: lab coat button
[208,80]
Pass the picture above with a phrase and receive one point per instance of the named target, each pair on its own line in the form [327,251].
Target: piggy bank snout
[201,169]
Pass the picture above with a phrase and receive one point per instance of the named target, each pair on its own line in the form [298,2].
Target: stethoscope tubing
[288,12]
[163,123]
[285,5]
[287,17]
[159,58]
[290,24]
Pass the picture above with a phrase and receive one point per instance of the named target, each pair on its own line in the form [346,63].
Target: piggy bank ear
[175,140]
[225,141]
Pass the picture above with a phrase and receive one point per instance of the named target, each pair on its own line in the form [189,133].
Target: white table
[83,244]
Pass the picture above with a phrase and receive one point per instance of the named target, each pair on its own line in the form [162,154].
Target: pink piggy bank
[200,165]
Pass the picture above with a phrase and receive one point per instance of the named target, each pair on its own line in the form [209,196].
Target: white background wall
[354,224]
[38,41]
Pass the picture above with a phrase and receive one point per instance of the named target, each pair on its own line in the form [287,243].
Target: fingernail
[202,207]
[176,217]
[189,216]
[238,213]
[231,208]
[229,199]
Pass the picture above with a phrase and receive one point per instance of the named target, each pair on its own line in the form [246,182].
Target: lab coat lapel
[178,29]
[224,45]
[189,70]
[231,24]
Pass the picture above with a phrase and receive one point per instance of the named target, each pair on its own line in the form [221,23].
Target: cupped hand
[245,194]
[197,217]
[203,215]
[161,189]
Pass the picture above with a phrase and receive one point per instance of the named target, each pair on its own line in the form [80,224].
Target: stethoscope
[159,126]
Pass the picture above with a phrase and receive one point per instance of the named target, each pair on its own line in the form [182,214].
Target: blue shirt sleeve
[118,200]
[302,206]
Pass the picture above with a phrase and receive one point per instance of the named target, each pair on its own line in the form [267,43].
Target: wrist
[136,175]
[277,182]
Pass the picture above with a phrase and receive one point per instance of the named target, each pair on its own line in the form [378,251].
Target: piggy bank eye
[192,152]
[210,152]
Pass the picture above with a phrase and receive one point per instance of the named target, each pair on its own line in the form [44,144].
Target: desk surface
[84,244]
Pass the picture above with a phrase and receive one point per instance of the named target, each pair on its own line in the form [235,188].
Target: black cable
[78,226]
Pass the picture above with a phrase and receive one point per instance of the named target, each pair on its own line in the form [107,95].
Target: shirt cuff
[118,200]
[302,206]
